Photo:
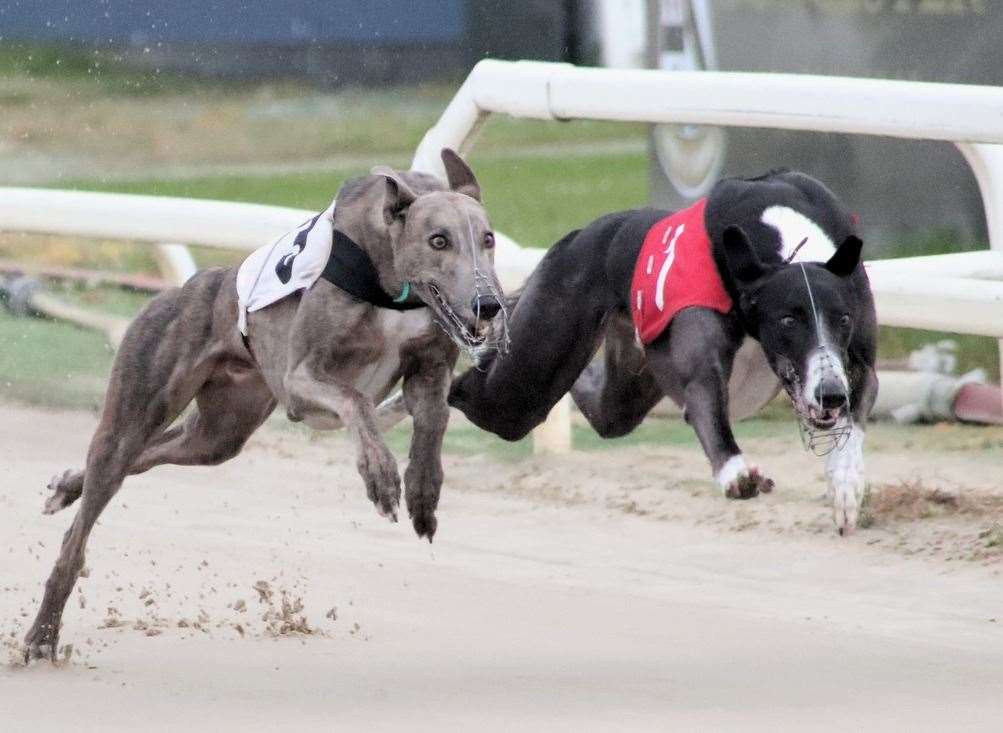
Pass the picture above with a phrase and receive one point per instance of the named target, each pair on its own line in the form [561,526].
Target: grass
[52,364]
[535,200]
[97,115]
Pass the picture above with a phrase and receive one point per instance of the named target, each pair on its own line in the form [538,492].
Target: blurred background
[280,102]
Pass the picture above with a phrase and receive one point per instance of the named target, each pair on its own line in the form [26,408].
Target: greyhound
[675,298]
[324,353]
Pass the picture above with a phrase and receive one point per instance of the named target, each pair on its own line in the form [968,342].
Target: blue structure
[329,41]
[116,22]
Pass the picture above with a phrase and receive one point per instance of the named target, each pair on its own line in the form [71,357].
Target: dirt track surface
[585,593]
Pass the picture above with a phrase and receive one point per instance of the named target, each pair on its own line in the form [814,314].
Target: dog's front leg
[425,392]
[693,365]
[318,395]
[844,467]
[705,398]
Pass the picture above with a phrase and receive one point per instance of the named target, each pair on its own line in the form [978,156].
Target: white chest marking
[794,227]
[398,327]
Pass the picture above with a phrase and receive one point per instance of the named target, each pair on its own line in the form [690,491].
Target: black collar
[351,270]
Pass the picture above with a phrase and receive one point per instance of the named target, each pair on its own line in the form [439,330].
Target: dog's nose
[830,395]
[486,307]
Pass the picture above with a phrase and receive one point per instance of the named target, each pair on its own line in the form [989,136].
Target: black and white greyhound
[773,261]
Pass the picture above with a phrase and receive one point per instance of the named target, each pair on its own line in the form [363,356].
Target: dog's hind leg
[231,405]
[108,461]
[131,418]
[159,368]
[617,391]
[67,487]
[227,414]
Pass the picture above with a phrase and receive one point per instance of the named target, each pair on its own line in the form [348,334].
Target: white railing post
[175,262]
[986,162]
[553,436]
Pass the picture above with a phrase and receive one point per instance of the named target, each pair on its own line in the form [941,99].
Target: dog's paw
[40,644]
[741,481]
[424,522]
[847,497]
[749,485]
[422,481]
[383,485]
[66,489]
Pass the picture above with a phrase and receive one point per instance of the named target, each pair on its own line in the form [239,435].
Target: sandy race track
[607,591]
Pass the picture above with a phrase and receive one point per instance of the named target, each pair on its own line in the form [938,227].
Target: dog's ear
[461,178]
[742,261]
[846,258]
[398,195]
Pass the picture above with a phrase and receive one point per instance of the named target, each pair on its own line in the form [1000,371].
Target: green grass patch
[116,301]
[52,364]
[534,200]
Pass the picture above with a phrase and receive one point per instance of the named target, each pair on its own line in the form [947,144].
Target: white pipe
[961,113]
[960,305]
[176,263]
[224,224]
[455,129]
[986,162]
[982,264]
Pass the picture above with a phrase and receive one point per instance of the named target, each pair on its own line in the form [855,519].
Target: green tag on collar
[404,293]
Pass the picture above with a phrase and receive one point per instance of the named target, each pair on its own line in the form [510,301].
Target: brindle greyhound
[323,354]
[814,320]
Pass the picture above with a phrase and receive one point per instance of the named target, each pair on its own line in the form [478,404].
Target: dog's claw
[383,485]
[749,485]
[425,524]
[388,510]
[45,649]
[846,509]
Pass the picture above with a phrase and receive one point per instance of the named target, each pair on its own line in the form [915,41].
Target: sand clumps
[283,615]
[913,500]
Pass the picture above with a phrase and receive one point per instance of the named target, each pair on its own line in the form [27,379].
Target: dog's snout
[830,395]
[486,307]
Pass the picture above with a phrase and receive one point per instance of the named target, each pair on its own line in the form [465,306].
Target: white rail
[201,222]
[971,116]
[968,115]
[950,292]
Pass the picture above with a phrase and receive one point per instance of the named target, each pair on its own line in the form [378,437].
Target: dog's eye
[438,241]
[489,240]
[844,320]
[787,321]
